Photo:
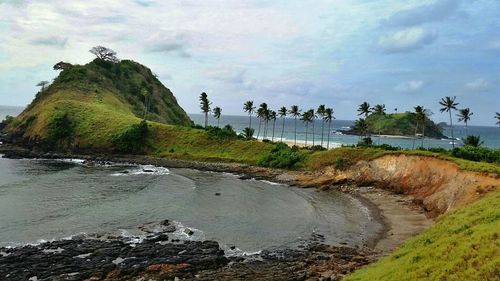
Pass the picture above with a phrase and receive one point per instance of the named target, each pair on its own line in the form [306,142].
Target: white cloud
[478,85]
[436,11]
[410,86]
[407,40]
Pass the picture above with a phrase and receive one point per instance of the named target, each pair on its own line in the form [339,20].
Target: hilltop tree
[497,116]
[364,109]
[104,54]
[295,112]
[328,117]
[62,66]
[217,112]
[464,115]
[449,104]
[43,85]
[282,113]
[248,107]
[205,106]
[321,113]
[419,119]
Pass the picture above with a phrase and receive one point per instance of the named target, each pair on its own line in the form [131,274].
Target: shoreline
[393,234]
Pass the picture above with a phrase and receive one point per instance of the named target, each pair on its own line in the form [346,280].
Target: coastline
[387,207]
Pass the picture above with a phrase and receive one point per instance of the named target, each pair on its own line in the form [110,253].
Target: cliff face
[438,184]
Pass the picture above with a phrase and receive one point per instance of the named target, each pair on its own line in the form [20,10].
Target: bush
[8,119]
[340,163]
[59,127]
[316,148]
[473,141]
[490,155]
[366,142]
[131,139]
[281,156]
[248,133]
[225,133]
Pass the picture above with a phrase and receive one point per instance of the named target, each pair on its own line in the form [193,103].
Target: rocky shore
[160,257]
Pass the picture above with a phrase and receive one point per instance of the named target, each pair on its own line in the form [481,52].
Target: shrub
[366,142]
[316,148]
[131,139]
[59,127]
[473,141]
[248,133]
[340,163]
[281,156]
[491,155]
[225,133]
[8,119]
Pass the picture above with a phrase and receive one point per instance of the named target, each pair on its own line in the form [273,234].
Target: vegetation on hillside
[401,124]
[462,245]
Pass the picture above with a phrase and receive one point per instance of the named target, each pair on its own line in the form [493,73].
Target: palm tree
[379,110]
[295,112]
[364,109]
[321,113]
[205,106]
[328,117]
[282,113]
[267,118]
[449,104]
[464,115]
[306,118]
[497,116]
[360,126]
[217,112]
[248,133]
[419,117]
[312,116]
[272,116]
[474,141]
[261,113]
[248,107]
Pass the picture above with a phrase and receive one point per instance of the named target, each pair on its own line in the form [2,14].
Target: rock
[217,194]
[148,171]
[188,231]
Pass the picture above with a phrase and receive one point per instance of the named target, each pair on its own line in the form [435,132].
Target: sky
[400,53]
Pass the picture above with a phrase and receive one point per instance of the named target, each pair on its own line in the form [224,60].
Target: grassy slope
[462,245]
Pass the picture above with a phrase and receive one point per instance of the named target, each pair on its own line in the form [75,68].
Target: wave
[144,170]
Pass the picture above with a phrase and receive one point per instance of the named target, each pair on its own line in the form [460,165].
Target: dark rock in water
[148,171]
[125,172]
[165,222]
[160,238]
[217,194]
[188,231]
[245,177]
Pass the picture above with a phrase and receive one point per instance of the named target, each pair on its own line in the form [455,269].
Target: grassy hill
[401,124]
[462,245]
[97,100]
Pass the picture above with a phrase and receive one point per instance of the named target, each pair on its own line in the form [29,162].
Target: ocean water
[490,135]
[53,199]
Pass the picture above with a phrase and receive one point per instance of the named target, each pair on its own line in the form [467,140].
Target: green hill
[97,99]
[462,245]
[401,124]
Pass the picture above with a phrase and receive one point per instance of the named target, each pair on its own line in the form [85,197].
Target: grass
[462,245]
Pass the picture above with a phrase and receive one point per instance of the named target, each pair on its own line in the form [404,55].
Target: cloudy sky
[283,52]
